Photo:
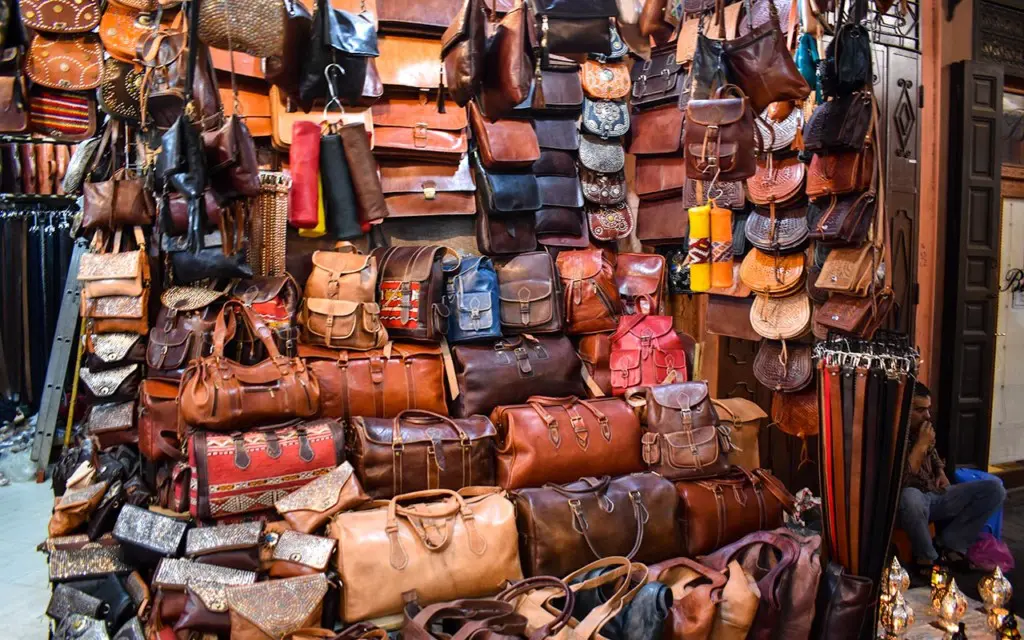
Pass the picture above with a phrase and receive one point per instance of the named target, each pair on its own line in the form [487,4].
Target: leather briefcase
[388,551]
[641,281]
[473,301]
[529,294]
[246,472]
[412,129]
[719,137]
[646,351]
[428,189]
[379,383]
[527,366]
[592,303]
[419,450]
[408,64]
[682,439]
[566,526]
[659,80]
[717,511]
[660,177]
[560,439]
[411,291]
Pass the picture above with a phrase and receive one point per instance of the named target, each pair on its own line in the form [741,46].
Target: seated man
[927,496]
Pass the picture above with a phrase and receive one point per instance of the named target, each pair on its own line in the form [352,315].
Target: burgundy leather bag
[560,439]
[564,527]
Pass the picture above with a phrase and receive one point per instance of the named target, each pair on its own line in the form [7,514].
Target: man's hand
[926,437]
[942,481]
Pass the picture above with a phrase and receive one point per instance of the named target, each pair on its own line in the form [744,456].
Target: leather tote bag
[566,526]
[561,439]
[696,592]
[470,549]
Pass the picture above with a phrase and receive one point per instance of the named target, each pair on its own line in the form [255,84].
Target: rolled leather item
[700,248]
[721,246]
[320,229]
[340,211]
[363,170]
[304,163]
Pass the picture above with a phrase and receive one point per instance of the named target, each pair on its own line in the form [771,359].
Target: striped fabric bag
[67,116]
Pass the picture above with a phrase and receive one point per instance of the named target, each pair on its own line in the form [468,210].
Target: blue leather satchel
[473,301]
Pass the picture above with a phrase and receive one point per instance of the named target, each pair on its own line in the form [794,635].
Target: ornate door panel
[971,296]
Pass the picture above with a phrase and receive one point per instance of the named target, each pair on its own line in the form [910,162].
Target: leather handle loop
[396,427]
[600,486]
[717,578]
[527,585]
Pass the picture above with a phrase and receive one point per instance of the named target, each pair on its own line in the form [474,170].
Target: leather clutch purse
[235,546]
[299,554]
[604,189]
[271,610]
[92,560]
[67,600]
[557,133]
[111,385]
[313,505]
[147,536]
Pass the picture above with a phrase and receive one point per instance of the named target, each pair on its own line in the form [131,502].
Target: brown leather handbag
[115,272]
[121,28]
[378,383]
[397,547]
[123,199]
[527,366]
[529,294]
[719,137]
[428,189]
[412,129]
[777,182]
[503,143]
[662,222]
[658,130]
[565,526]
[841,172]
[158,420]
[560,439]
[682,438]
[661,176]
[784,367]
[59,16]
[269,610]
[409,64]
[313,505]
[696,592]
[74,508]
[592,303]
[186,317]
[508,64]
[342,274]
[717,511]
[775,275]
[841,219]
[848,270]
[463,48]
[605,80]
[339,308]
[423,19]
[781,318]
[641,281]
[224,395]
[71,62]
[660,80]
[411,291]
[419,450]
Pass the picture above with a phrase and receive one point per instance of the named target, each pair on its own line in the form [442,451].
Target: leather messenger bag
[561,439]
[566,526]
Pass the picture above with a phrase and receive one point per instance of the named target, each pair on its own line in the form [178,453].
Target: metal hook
[331,90]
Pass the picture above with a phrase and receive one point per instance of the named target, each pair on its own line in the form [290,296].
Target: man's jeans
[962,509]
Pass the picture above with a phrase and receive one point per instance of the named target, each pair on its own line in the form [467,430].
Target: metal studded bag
[313,505]
[120,90]
[72,62]
[605,80]
[603,189]
[235,545]
[113,424]
[60,16]
[92,560]
[271,610]
[299,554]
[147,536]
[605,118]
[80,627]
[778,125]
[602,155]
[610,222]
[111,385]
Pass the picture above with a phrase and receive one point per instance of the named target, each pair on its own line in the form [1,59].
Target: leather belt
[838,464]
[860,385]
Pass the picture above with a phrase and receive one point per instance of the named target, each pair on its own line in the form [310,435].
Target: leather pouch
[609,223]
[59,16]
[605,118]
[658,80]
[111,385]
[428,189]
[660,177]
[64,116]
[843,124]
[776,230]
[300,554]
[504,144]
[719,137]
[313,505]
[529,294]
[657,130]
[147,536]
[784,367]
[848,270]
[74,509]
[778,182]
[840,173]
[605,80]
[560,134]
[776,275]
[414,130]
[72,62]
[235,546]
[604,156]
[841,220]
[363,169]
[473,301]
[113,424]
[781,318]
[603,189]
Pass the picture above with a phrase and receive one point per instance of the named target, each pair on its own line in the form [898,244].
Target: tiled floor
[24,593]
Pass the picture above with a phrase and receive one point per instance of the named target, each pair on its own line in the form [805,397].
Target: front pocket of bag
[666,362]
[625,367]
[692,449]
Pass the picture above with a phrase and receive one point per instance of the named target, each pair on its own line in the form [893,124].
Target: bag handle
[716,577]
[783,545]
[600,615]
[226,323]
[523,587]
[399,557]
[423,416]
[579,521]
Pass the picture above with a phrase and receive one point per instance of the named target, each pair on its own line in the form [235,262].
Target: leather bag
[592,303]
[378,383]
[558,133]
[609,223]
[605,118]
[842,124]
[848,270]
[422,19]
[840,173]
[274,389]
[411,291]
[284,114]
[309,508]
[562,88]
[503,144]
[526,364]
[646,351]
[74,509]
[434,189]
[641,281]
[658,80]
[662,222]
[245,472]
[59,16]
[595,350]
[603,189]
[463,49]
[418,450]
[777,275]
[471,535]
[342,324]
[187,316]
[696,592]
[784,367]
[414,130]
[550,439]
[269,610]
[574,26]
[14,115]
[529,294]
[846,67]
[158,420]
[473,301]
[760,63]
[508,64]
[660,177]
[657,130]
[841,220]
[409,63]
[300,554]
[566,526]
[285,71]
[343,274]
[778,124]
[121,28]
[120,90]
[117,272]
[605,80]
[719,136]
[717,511]
[773,230]
[604,156]
[110,425]
[781,318]
[778,182]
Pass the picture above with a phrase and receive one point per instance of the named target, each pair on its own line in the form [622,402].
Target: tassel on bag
[700,248]
[721,246]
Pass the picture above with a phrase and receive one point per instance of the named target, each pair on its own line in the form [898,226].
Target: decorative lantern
[995,590]
[895,577]
[900,618]
[952,608]
[939,582]
[995,618]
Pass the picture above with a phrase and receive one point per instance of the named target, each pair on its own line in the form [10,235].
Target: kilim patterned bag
[65,116]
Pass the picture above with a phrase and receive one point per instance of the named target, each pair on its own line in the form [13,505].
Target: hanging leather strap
[860,382]
[838,463]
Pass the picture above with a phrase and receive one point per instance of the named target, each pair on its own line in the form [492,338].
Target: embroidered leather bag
[551,439]
[529,294]
[839,173]
[565,526]
[773,229]
[411,291]
[719,137]
[473,301]
[221,394]
[605,118]
[592,300]
[72,62]
[781,366]
[646,351]
[605,80]
[419,450]
[778,182]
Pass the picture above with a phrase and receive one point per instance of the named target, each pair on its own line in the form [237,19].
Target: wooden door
[972,263]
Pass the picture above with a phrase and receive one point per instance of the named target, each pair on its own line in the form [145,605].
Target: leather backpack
[473,301]
[640,278]
[592,303]
[411,291]
[187,316]
[529,294]
[339,308]
[646,351]
[719,137]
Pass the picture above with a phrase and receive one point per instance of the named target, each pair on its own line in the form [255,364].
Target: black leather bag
[506,193]
[115,597]
[341,38]
[846,67]
[642,618]
[208,262]
[841,124]
[341,213]
[707,70]
[574,26]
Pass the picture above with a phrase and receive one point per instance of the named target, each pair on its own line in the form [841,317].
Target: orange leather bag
[65,62]
[414,129]
[592,302]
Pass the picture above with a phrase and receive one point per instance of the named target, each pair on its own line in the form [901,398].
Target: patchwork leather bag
[419,450]
[646,351]
[784,367]
[527,365]
[249,471]
[377,383]
[473,301]
[641,281]
[719,137]
[550,439]
[387,551]
[592,301]
[682,439]
[566,526]
[222,394]
[411,291]
[529,294]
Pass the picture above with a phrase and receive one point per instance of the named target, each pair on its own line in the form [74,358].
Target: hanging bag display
[719,137]
[463,49]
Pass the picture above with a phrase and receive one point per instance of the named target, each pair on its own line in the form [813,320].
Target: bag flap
[685,395]
[789,229]
[792,373]
[112,416]
[158,389]
[412,63]
[558,221]
[562,88]
[407,264]
[738,410]
[468,302]
[337,262]
[174,574]
[778,181]
[720,111]
[112,347]
[262,290]
[279,606]
[605,80]
[309,550]
[528,291]
[510,192]
[657,174]
[106,383]
[203,540]
[351,33]
[650,326]
[781,318]
[605,156]
[624,359]
[507,140]
[657,130]
[110,266]
[319,495]
[159,339]
[413,113]
[426,179]
[333,308]
[213,595]
[81,497]
[576,10]
[580,265]
[767,273]
[556,191]
[845,268]
[561,134]
[658,75]
[606,118]
[639,273]
[843,312]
